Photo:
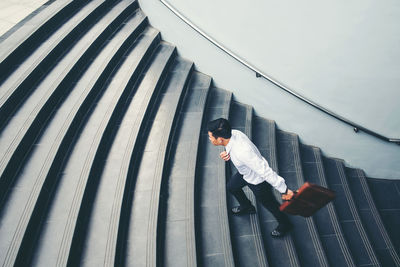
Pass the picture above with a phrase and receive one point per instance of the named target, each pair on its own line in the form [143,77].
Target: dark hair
[220,128]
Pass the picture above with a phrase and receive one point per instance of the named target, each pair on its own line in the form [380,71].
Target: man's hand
[288,195]
[225,156]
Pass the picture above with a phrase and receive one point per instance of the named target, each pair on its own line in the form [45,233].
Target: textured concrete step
[386,195]
[372,221]
[21,43]
[13,233]
[37,65]
[146,40]
[115,187]
[79,180]
[178,226]
[305,236]
[44,162]
[214,242]
[144,238]
[354,231]
[105,158]
[264,136]
[110,204]
[326,219]
[27,124]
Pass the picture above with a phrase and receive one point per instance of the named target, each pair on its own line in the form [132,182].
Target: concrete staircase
[105,159]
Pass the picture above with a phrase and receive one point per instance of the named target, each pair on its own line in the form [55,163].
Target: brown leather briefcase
[307,200]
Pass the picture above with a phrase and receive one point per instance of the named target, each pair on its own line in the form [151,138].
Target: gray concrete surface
[13,11]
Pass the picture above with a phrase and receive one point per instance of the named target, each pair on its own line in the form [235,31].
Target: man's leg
[264,195]
[234,186]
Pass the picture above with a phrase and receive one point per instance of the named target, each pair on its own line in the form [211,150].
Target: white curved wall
[344,56]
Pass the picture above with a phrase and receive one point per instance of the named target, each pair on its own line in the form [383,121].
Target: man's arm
[261,167]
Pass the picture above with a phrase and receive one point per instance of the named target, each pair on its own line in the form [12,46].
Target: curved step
[76,107]
[43,164]
[212,226]
[354,231]
[142,103]
[114,184]
[35,66]
[14,221]
[308,245]
[23,41]
[386,195]
[179,230]
[372,221]
[72,204]
[265,139]
[327,222]
[247,243]
[154,140]
[27,124]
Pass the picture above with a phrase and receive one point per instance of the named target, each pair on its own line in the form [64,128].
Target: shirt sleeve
[260,166]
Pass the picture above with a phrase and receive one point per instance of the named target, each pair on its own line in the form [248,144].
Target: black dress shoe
[240,210]
[281,230]
[277,233]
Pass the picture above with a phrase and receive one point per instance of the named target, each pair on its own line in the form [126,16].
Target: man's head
[219,131]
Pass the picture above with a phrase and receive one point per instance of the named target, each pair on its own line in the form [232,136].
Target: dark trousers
[263,193]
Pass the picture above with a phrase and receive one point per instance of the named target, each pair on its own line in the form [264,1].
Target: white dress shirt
[250,163]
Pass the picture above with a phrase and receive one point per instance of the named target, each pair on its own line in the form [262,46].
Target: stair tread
[9,45]
[49,91]
[180,246]
[326,219]
[142,234]
[350,220]
[29,67]
[105,158]
[11,238]
[265,139]
[147,39]
[212,221]
[304,233]
[42,158]
[370,216]
[386,194]
[75,177]
[113,184]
